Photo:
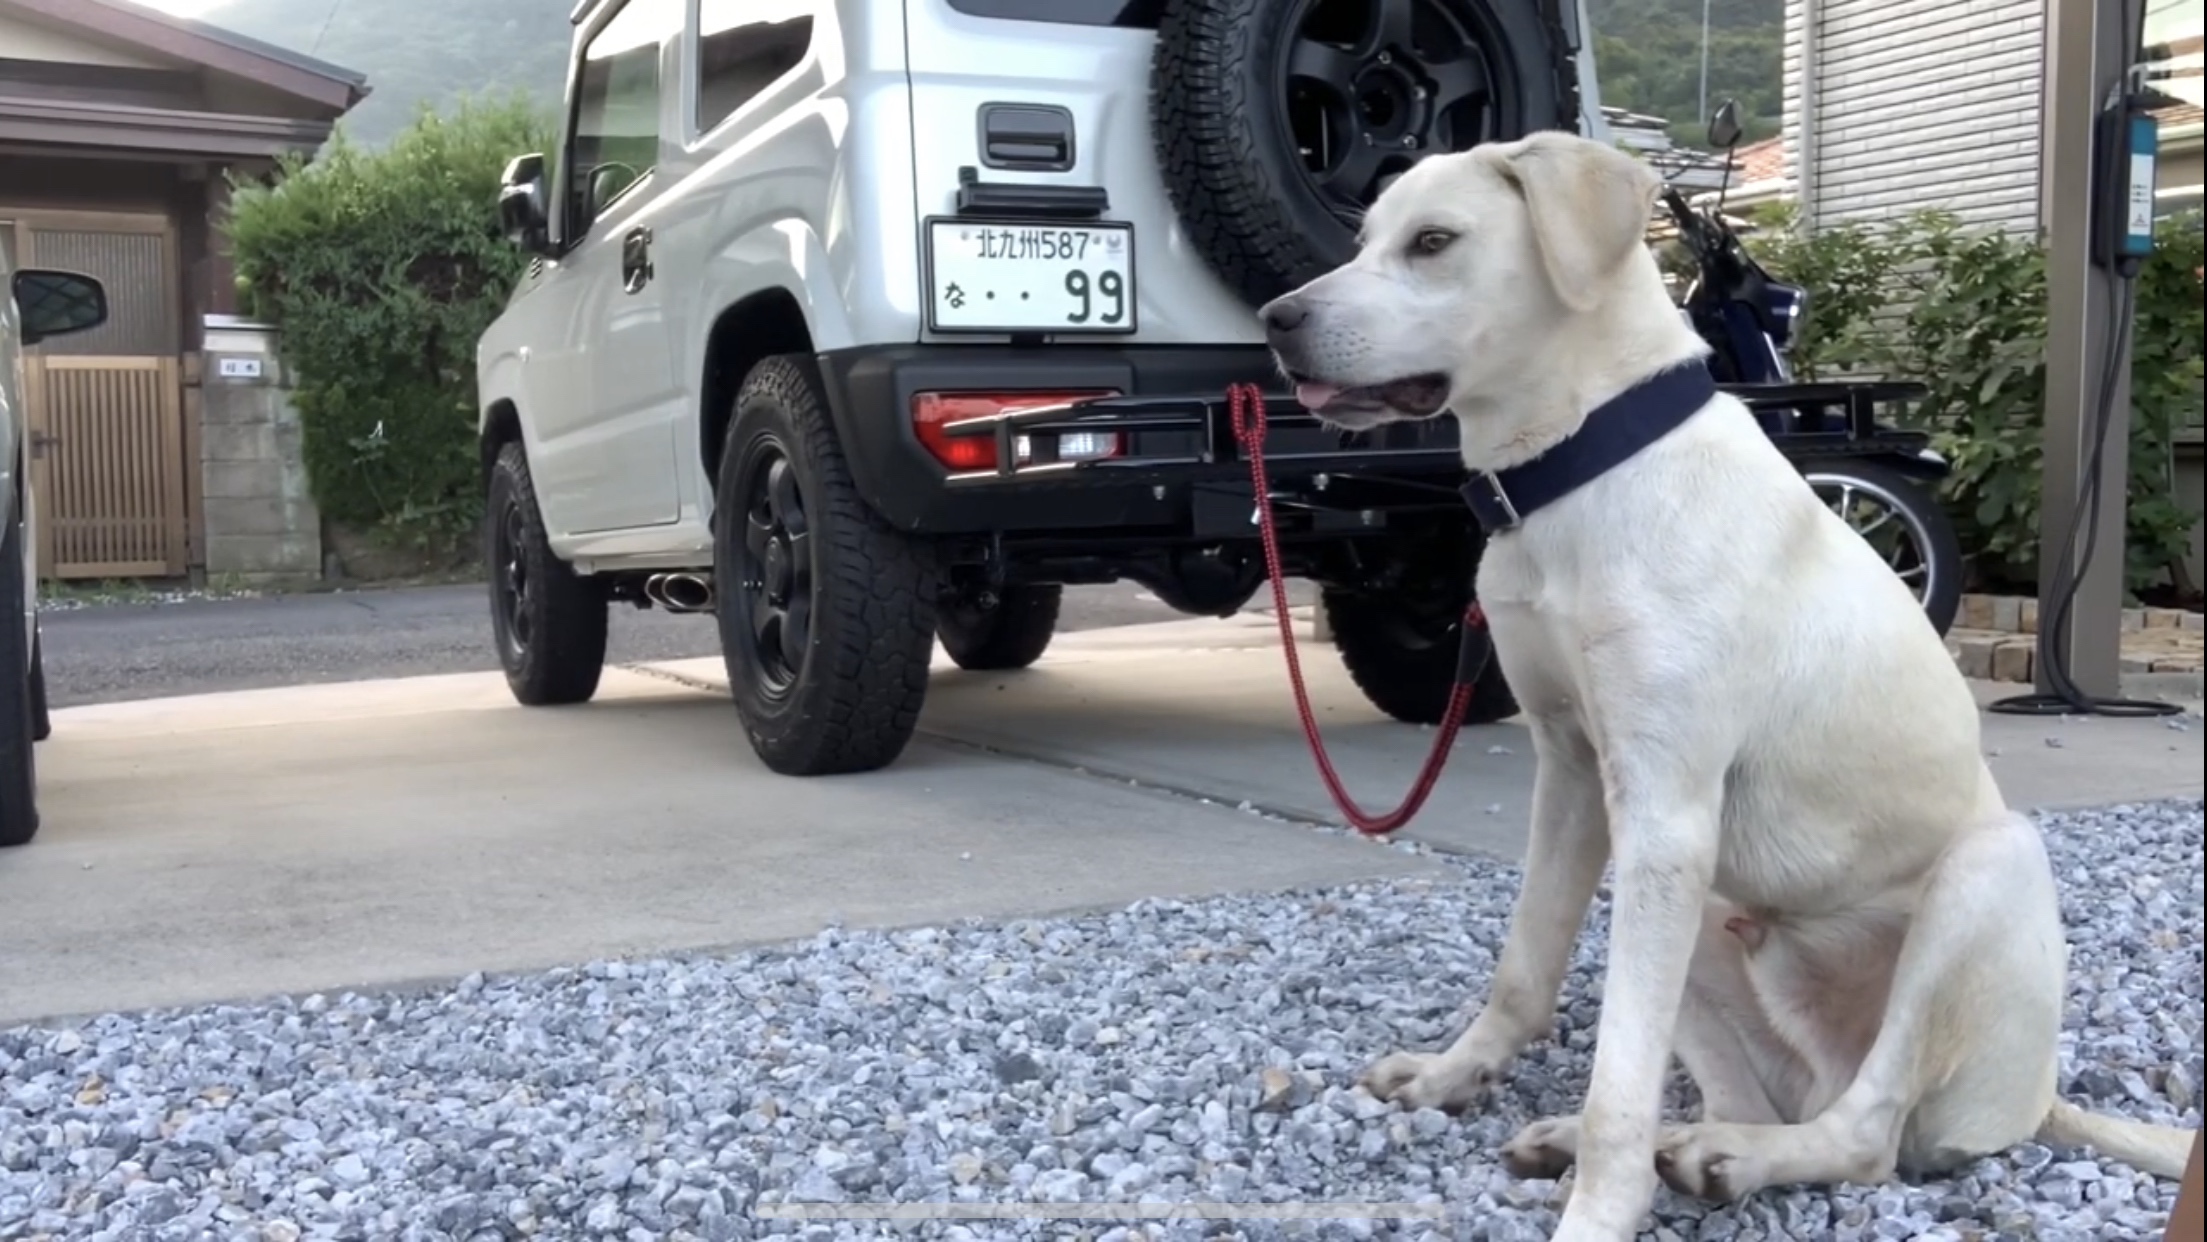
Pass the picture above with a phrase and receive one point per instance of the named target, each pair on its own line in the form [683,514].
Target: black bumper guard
[1171,436]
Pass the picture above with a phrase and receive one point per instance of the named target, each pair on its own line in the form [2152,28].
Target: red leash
[1246,403]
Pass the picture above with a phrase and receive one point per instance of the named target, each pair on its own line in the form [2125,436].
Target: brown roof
[1760,161]
[317,81]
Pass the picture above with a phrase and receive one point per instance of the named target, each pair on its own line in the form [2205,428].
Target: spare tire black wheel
[1278,122]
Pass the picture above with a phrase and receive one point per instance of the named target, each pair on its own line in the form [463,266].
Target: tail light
[932,412]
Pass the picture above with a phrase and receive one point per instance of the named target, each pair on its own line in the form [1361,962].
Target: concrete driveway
[323,837]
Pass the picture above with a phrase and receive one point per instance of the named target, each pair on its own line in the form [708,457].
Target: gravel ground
[1169,1052]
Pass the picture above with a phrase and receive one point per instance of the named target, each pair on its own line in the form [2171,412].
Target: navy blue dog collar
[1612,433]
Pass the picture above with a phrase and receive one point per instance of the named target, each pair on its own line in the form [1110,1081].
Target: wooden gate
[106,406]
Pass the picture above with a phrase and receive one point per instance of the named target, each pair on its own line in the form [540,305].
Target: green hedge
[1963,311]
[381,268]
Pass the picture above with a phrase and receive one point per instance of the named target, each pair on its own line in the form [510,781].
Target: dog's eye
[1431,241]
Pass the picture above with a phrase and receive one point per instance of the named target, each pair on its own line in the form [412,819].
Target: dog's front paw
[1544,1149]
[1712,1162]
[1427,1080]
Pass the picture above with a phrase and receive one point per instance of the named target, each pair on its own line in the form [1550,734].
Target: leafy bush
[381,268]
[1963,312]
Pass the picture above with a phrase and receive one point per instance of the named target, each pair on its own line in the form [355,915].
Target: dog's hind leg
[1744,1071]
[1563,864]
[1963,1060]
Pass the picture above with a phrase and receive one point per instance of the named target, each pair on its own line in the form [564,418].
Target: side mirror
[521,210]
[609,181]
[1724,126]
[55,303]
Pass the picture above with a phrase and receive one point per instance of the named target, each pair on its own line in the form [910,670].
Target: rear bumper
[1181,476]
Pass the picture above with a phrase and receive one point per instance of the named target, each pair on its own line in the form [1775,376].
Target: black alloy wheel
[774,567]
[512,585]
[1372,86]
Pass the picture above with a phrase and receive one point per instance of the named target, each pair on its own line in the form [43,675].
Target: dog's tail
[2160,1150]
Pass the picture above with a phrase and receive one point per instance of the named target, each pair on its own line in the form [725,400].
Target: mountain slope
[416,51]
[1648,55]
[1649,52]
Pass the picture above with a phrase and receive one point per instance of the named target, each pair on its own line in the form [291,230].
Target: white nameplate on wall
[239,368]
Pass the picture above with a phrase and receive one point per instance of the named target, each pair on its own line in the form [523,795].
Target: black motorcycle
[1879,479]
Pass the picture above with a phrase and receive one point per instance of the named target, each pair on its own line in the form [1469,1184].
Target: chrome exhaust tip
[682,592]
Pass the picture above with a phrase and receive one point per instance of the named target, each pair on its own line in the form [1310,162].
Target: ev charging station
[2096,196]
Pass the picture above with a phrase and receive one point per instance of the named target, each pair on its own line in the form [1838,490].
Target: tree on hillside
[1648,54]
[382,267]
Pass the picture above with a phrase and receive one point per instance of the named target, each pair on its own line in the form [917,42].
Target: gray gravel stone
[1169,1052]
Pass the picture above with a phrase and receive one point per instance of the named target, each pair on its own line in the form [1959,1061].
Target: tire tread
[567,655]
[1411,686]
[858,698]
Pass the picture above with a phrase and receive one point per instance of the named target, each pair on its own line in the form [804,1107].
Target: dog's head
[1469,270]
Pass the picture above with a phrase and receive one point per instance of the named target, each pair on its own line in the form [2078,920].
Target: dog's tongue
[1316,396]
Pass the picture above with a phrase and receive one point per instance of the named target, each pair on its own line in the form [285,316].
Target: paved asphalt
[113,652]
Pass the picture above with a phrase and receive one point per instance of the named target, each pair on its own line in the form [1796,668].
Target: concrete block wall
[261,521]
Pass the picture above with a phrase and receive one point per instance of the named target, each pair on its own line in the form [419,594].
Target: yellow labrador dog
[1823,907]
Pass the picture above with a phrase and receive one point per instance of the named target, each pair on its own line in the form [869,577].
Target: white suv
[864,323]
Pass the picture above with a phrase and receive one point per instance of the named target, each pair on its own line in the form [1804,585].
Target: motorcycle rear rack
[1178,435]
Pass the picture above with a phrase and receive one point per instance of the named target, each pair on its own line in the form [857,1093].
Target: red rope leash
[1246,403]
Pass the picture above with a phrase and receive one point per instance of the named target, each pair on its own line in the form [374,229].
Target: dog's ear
[1589,206]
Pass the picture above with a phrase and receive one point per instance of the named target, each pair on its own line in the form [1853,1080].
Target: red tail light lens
[934,411]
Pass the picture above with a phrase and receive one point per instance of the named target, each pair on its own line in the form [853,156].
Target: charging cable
[2066,698]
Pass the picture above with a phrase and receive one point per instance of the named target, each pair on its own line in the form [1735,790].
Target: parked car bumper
[1177,470]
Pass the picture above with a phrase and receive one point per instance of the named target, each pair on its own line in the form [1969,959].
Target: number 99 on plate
[1030,277]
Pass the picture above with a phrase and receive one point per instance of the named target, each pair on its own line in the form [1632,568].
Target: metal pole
[2087,53]
[1705,61]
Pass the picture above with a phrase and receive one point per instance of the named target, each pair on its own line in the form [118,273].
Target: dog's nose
[1284,315]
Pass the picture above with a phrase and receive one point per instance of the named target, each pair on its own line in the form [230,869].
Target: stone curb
[2014,614]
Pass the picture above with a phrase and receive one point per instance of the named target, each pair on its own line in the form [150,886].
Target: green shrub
[381,268]
[1963,311]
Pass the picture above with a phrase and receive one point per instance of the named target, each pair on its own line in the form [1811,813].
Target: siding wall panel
[1919,104]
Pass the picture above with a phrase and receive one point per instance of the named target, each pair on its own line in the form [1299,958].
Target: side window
[614,141]
[743,46]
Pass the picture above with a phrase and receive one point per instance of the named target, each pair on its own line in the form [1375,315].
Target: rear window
[1134,14]
[741,51]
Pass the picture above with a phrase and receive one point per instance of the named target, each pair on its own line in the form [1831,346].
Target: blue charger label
[2145,145]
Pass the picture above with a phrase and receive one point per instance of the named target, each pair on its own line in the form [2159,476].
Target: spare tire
[1277,122]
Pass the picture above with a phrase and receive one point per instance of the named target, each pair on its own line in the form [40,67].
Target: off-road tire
[1404,659]
[854,700]
[18,766]
[1012,635]
[42,720]
[1229,157]
[561,655]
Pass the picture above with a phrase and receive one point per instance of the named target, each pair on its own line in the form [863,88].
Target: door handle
[636,271]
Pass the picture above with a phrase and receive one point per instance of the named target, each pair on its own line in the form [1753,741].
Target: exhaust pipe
[683,592]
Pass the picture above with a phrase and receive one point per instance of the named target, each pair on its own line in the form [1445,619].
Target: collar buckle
[1491,502]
